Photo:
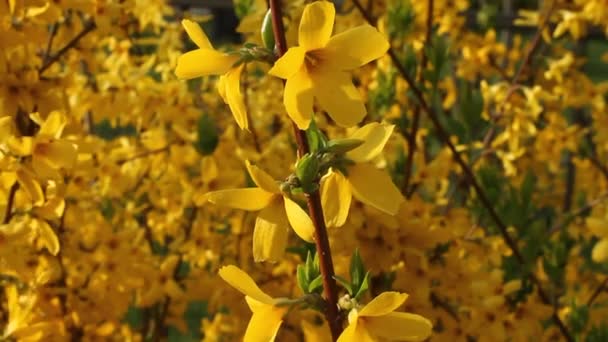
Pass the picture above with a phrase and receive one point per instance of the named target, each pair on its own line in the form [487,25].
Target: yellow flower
[378,321]
[206,61]
[277,213]
[49,152]
[599,227]
[363,180]
[316,68]
[267,316]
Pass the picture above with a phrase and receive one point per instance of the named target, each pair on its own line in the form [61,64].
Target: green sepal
[267,32]
[345,284]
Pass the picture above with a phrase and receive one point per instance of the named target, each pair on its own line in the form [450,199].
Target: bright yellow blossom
[206,61]
[317,67]
[362,180]
[267,316]
[378,321]
[278,211]
[599,227]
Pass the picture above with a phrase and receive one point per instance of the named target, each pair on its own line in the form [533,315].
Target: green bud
[307,169]
[341,146]
[267,32]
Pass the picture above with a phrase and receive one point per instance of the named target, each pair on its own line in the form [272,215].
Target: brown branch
[411,138]
[470,177]
[145,154]
[598,291]
[8,212]
[88,27]
[313,200]
[49,44]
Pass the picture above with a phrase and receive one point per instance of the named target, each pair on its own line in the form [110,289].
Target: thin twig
[8,212]
[313,200]
[49,44]
[411,140]
[598,291]
[88,27]
[470,176]
[144,154]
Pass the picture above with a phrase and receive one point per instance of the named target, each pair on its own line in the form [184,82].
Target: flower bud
[267,32]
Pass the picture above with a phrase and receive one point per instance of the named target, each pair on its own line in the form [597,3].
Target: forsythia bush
[357,170]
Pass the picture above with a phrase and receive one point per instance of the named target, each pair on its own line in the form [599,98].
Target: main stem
[313,200]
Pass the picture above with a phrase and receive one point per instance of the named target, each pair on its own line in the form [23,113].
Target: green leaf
[345,284]
[357,270]
[363,287]
[316,138]
[316,284]
[303,282]
[207,135]
[307,170]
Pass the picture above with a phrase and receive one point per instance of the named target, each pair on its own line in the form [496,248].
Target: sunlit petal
[374,187]
[335,198]
[230,91]
[299,220]
[289,64]
[383,304]
[339,97]
[241,281]
[316,25]
[270,233]
[399,326]
[203,62]
[245,198]
[262,179]
[375,135]
[298,98]
[197,34]
[264,325]
[355,47]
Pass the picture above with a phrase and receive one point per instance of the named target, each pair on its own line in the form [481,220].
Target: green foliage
[107,131]
[309,275]
[598,333]
[207,135]
[400,19]
[382,97]
[243,7]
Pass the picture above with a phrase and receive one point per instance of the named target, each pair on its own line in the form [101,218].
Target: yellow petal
[597,226]
[203,62]
[270,233]
[600,251]
[298,98]
[356,332]
[349,334]
[47,236]
[374,187]
[44,170]
[400,326]
[52,209]
[316,25]
[286,66]
[335,198]
[353,48]
[31,186]
[383,304]
[338,96]
[53,125]
[197,35]
[299,220]
[264,325]
[6,128]
[315,332]
[57,153]
[375,135]
[241,281]
[246,198]
[262,179]
[230,90]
